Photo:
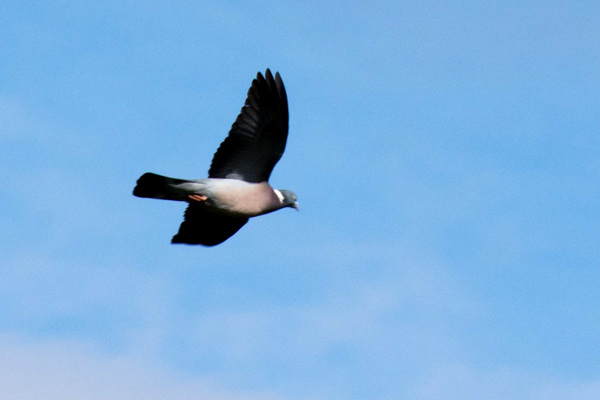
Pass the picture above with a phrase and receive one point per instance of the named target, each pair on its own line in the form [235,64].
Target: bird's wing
[201,226]
[257,138]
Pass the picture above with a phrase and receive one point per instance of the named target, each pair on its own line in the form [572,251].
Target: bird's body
[223,196]
[237,187]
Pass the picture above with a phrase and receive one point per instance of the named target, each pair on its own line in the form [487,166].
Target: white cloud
[456,381]
[16,123]
[382,333]
[70,370]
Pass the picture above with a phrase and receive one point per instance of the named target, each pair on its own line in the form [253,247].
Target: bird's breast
[234,197]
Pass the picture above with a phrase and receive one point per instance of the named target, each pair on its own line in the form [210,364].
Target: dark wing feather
[201,226]
[257,138]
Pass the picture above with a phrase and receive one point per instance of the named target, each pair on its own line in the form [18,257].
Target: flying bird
[237,186]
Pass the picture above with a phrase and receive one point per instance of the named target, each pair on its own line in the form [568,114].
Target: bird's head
[288,199]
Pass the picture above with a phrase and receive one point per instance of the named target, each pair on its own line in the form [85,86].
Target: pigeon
[237,187]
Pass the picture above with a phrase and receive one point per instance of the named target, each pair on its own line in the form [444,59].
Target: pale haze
[445,158]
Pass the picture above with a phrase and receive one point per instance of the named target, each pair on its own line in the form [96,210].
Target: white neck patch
[279,195]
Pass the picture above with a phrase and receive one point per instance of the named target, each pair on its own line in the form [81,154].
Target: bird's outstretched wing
[201,226]
[257,138]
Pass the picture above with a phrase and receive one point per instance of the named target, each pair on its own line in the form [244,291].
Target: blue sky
[445,156]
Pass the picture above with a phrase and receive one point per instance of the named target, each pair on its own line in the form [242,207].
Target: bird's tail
[161,187]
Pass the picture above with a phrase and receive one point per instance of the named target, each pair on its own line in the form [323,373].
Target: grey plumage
[237,186]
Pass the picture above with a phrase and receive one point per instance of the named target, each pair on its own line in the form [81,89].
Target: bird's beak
[296,206]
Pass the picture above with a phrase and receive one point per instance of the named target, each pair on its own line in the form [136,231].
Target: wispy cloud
[460,381]
[17,123]
[71,370]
